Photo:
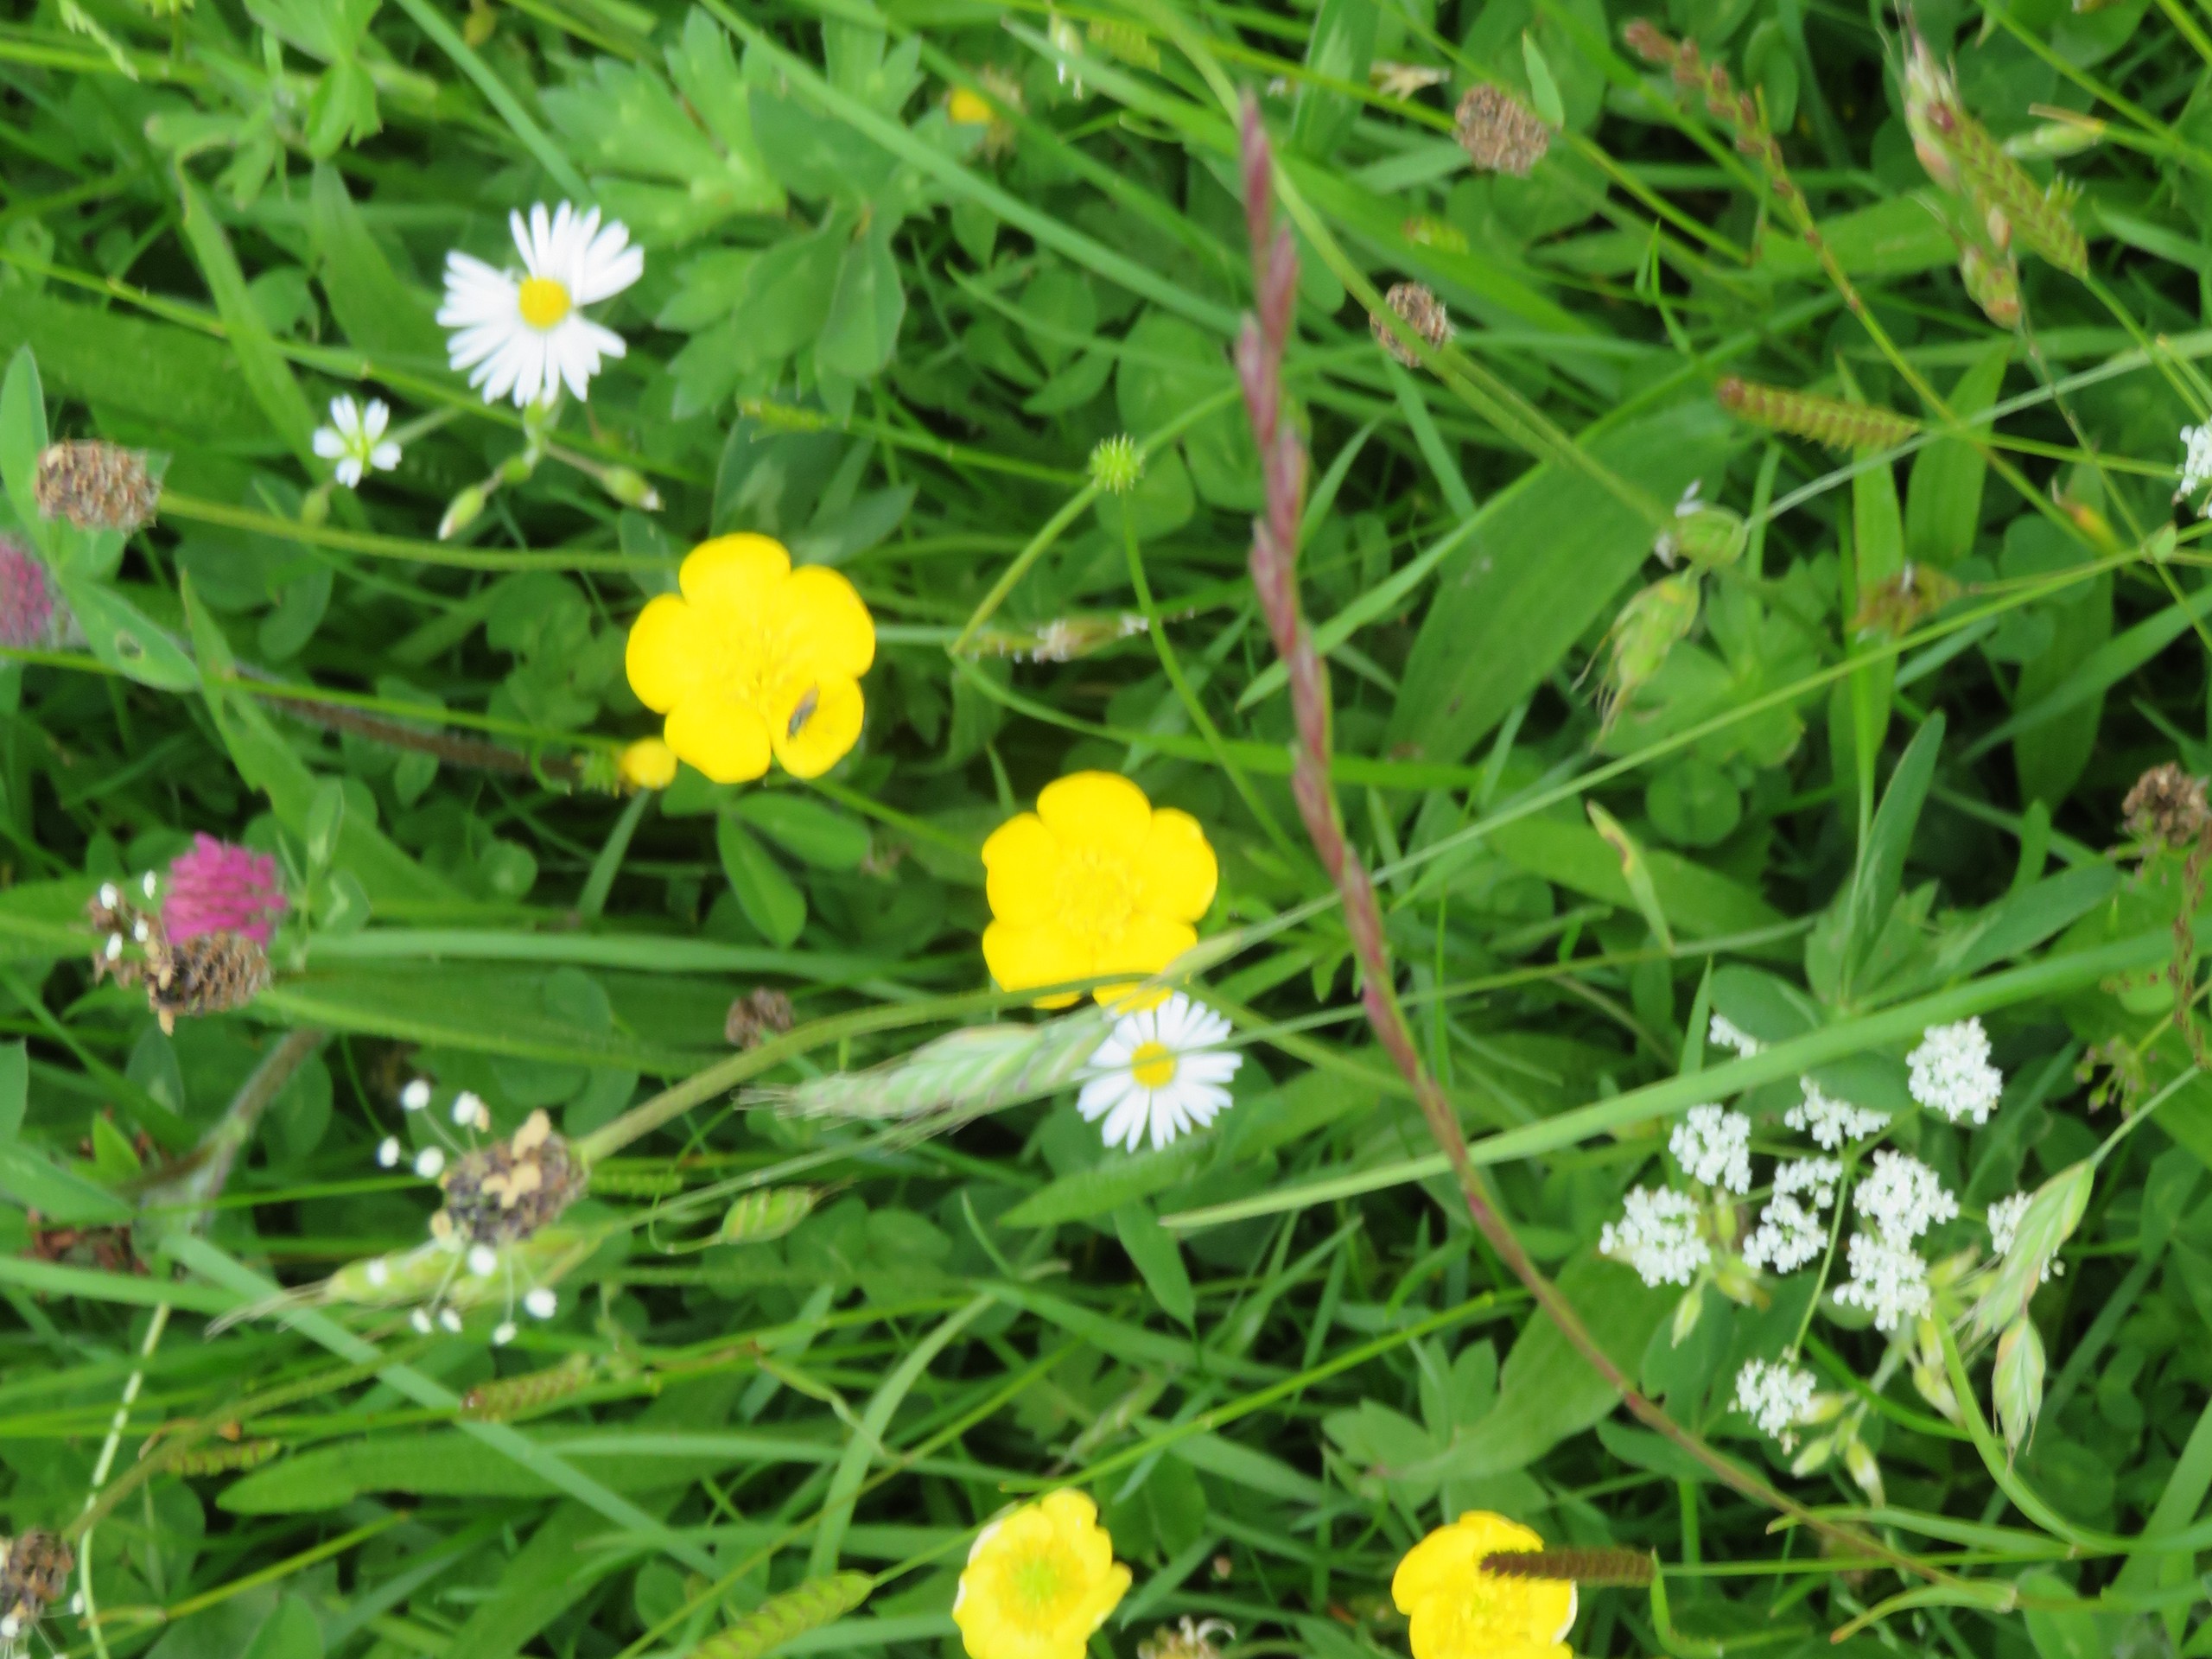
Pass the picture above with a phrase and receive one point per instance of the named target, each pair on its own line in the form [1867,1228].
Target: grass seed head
[1420,311]
[1499,132]
[96,484]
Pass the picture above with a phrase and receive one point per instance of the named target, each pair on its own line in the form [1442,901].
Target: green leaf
[1880,870]
[125,637]
[1635,872]
[259,364]
[15,1087]
[1340,48]
[59,1194]
[374,308]
[22,435]
[1942,506]
[1548,1391]
[1159,1260]
[866,307]
[2075,1631]
[290,1633]
[1701,902]
[325,29]
[1544,90]
[1877,528]
[1545,559]
[769,899]
[342,110]
[168,377]
[1113,1185]
[805,828]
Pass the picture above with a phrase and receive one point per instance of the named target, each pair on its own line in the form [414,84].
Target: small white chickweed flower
[430,1163]
[1951,1072]
[1776,1396]
[483,1261]
[354,440]
[1657,1236]
[449,1319]
[1831,1121]
[1160,1072]
[1713,1146]
[388,1152]
[2197,464]
[420,1318]
[528,336]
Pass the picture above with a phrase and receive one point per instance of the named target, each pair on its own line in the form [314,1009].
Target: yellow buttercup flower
[1038,1582]
[1094,882]
[649,763]
[1460,1612]
[964,108]
[754,658]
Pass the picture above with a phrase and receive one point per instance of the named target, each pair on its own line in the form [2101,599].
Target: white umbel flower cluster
[1951,1072]
[1831,1121]
[1724,1033]
[1776,1396]
[1713,1146]
[1901,1200]
[2004,1222]
[1790,1233]
[2195,465]
[1657,1236]
[1888,1279]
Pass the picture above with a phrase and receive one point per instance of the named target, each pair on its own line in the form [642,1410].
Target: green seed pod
[220,1458]
[1808,415]
[769,1213]
[1710,537]
[629,486]
[2049,1221]
[495,1402]
[461,511]
[1116,464]
[2016,1384]
[778,1619]
[965,1073]
[1648,628]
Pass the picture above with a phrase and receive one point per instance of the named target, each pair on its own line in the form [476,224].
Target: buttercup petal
[1021,955]
[667,654]
[810,739]
[737,574]
[823,617]
[722,738]
[1149,944]
[1021,865]
[1096,809]
[1176,870]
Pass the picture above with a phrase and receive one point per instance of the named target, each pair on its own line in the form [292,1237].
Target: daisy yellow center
[544,301]
[1153,1065]
[1097,896]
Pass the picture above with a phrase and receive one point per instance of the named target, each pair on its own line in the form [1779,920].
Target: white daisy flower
[525,336]
[355,440]
[1160,1069]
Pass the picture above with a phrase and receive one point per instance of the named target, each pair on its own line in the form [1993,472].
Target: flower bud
[1116,464]
[629,486]
[1687,1312]
[2068,136]
[464,510]
[1864,1469]
[1708,538]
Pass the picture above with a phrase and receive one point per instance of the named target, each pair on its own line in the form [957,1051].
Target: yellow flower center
[1098,898]
[1038,1581]
[1153,1065]
[544,301]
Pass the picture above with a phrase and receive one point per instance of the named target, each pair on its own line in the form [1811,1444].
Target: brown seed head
[1420,311]
[210,973]
[2167,806]
[762,1013]
[509,1190]
[35,1570]
[1499,132]
[96,484]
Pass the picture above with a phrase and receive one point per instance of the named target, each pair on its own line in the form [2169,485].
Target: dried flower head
[509,1190]
[33,614]
[209,973]
[96,484]
[760,1014]
[34,1569]
[2167,807]
[220,888]
[1189,1638]
[1499,132]
[1420,311]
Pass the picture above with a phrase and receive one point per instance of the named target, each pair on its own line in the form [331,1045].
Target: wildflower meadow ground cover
[1159,829]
